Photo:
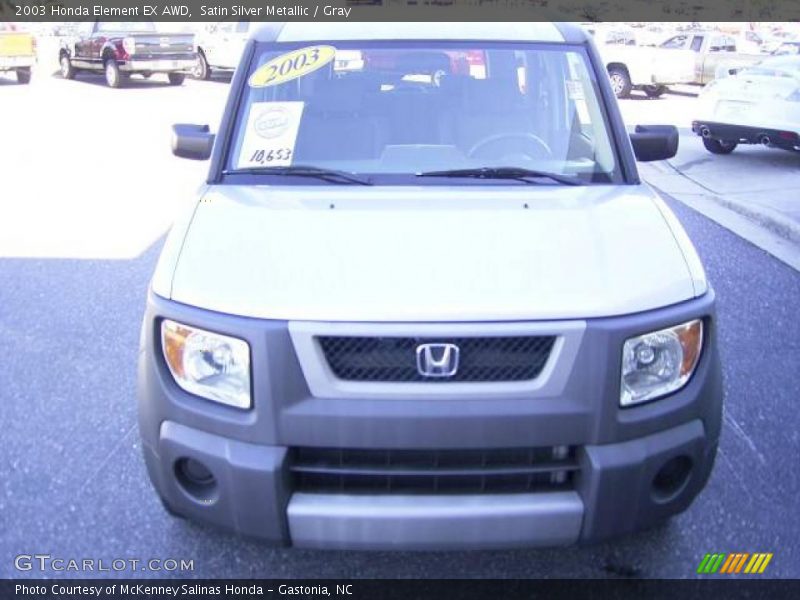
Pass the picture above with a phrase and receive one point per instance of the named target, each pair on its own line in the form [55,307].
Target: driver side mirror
[192,141]
[654,142]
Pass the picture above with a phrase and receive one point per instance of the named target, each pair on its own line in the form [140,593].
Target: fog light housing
[195,478]
[671,478]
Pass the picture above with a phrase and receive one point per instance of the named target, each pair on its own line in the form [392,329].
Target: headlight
[129,44]
[660,362]
[214,366]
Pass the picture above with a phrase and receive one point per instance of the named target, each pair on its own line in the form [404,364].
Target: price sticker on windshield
[270,135]
[292,65]
[574,89]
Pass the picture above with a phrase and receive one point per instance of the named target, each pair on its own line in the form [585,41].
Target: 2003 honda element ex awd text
[424,301]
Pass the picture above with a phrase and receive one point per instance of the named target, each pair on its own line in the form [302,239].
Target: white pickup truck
[714,53]
[220,46]
[631,66]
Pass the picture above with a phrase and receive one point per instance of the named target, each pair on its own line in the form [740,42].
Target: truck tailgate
[156,45]
[16,44]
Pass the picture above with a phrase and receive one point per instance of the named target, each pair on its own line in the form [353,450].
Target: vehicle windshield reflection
[393,110]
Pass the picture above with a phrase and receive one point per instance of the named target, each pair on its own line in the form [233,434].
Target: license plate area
[728,109]
[166,65]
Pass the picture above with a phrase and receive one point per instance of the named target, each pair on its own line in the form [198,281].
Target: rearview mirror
[192,141]
[655,142]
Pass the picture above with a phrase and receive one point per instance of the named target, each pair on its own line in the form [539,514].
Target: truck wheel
[718,146]
[620,82]
[114,77]
[654,91]
[201,69]
[67,70]
[23,75]
[176,78]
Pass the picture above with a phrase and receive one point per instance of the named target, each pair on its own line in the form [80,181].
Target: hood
[485,253]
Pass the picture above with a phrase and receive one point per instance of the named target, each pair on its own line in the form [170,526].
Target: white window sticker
[574,89]
[271,134]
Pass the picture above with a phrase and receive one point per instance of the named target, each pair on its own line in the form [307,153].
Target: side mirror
[654,142]
[192,141]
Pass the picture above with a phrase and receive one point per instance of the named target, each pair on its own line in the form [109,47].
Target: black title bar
[398,589]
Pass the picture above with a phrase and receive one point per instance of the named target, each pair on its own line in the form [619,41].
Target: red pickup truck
[119,50]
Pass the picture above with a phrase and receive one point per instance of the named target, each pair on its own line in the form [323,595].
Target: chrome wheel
[617,83]
[67,72]
[113,77]
[201,70]
[620,81]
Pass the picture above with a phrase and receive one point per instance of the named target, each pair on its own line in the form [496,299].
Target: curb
[772,220]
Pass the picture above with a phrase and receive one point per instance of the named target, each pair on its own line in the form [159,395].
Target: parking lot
[89,189]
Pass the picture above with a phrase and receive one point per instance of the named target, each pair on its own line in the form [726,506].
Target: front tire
[718,146]
[67,70]
[114,78]
[654,91]
[620,82]
[23,76]
[176,78]
[201,69]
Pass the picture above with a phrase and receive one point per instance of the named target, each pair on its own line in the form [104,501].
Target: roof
[357,31]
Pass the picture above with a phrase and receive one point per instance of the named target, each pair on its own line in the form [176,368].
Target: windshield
[392,111]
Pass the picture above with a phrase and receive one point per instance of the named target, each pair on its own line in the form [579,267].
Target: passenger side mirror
[192,141]
[654,142]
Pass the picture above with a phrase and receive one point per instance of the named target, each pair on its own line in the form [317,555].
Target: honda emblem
[437,360]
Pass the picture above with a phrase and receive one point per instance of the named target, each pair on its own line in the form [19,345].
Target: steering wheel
[540,147]
[411,87]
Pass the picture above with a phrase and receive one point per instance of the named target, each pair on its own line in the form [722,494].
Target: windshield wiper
[517,173]
[331,175]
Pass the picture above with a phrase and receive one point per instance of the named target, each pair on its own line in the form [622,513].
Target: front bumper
[614,495]
[619,454]
[748,134]
[166,65]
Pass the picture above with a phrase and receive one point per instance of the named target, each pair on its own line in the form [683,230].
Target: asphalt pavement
[752,191]
[88,191]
